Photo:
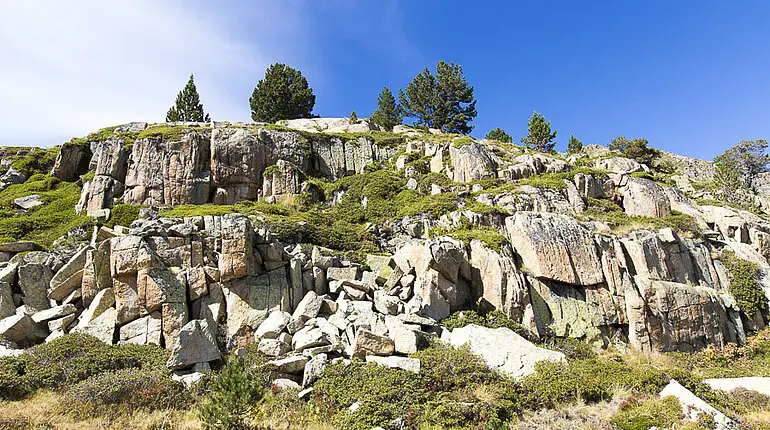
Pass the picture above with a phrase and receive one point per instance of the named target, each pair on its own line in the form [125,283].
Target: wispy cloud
[72,66]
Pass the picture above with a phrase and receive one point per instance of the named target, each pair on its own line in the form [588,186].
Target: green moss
[270,170]
[744,284]
[652,412]
[382,139]
[642,175]
[41,224]
[36,161]
[412,204]
[462,141]
[123,215]
[485,209]
[168,133]
[612,215]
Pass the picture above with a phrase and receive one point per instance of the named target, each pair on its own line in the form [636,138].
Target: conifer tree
[499,135]
[283,94]
[539,136]
[388,114]
[188,106]
[444,100]
[574,145]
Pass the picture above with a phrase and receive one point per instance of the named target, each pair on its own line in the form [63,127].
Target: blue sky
[692,80]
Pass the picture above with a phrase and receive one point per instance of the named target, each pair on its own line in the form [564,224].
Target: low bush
[14,385]
[73,358]
[744,284]
[555,383]
[485,318]
[643,414]
[126,390]
[232,398]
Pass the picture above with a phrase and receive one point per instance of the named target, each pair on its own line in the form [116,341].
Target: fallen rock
[53,313]
[694,406]
[313,369]
[28,202]
[273,325]
[758,384]
[645,198]
[283,384]
[273,347]
[292,364]
[143,331]
[19,328]
[195,344]
[101,327]
[503,350]
[307,308]
[368,343]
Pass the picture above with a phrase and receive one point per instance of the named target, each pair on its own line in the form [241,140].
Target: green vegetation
[556,180]
[635,149]
[499,135]
[642,415]
[539,136]
[574,145]
[736,169]
[232,397]
[70,359]
[41,224]
[744,284]
[123,214]
[36,161]
[388,114]
[443,101]
[282,94]
[611,214]
[188,106]
[353,117]
[167,133]
[126,390]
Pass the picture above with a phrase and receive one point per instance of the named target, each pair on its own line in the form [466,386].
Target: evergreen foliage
[539,135]
[188,106]
[574,145]
[736,169]
[636,149]
[388,114]
[499,135]
[234,393]
[353,117]
[283,94]
[444,100]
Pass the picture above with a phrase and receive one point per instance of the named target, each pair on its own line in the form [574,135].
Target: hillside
[300,246]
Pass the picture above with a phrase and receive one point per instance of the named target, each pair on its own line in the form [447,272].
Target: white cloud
[69,67]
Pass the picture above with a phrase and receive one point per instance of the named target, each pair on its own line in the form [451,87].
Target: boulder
[503,350]
[292,364]
[555,247]
[69,277]
[17,247]
[645,198]
[34,276]
[101,327]
[7,307]
[619,165]
[283,384]
[28,202]
[694,406]
[143,331]
[53,313]
[273,347]
[71,162]
[104,300]
[236,257]
[758,384]
[194,344]
[273,325]
[173,319]
[368,343]
[306,309]
[313,369]
[308,337]
[19,328]
[501,282]
[471,162]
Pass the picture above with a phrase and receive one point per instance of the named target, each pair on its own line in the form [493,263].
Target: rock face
[503,350]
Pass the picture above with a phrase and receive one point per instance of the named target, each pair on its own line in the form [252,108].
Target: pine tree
[444,100]
[574,145]
[283,94]
[188,106]
[539,136]
[499,135]
[388,114]
[233,393]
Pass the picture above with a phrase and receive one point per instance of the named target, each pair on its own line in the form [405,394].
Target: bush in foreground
[232,397]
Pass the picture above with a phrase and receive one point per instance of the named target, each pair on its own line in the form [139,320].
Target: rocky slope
[591,246]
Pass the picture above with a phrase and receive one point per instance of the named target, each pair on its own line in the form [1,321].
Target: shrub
[485,318]
[554,383]
[451,414]
[744,286]
[126,390]
[572,348]
[499,135]
[385,394]
[642,415]
[574,145]
[14,384]
[445,368]
[233,395]
[36,161]
[635,149]
[76,357]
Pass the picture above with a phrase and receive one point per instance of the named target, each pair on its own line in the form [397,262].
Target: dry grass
[580,416]
[44,411]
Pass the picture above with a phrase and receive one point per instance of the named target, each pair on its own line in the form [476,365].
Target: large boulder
[195,344]
[645,198]
[471,162]
[694,406]
[501,282]
[555,247]
[69,277]
[503,350]
[34,276]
